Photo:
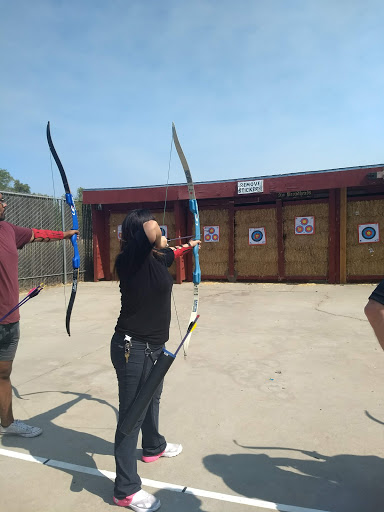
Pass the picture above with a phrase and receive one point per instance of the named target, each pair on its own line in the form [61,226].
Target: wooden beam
[231,245]
[280,241]
[332,233]
[107,245]
[343,235]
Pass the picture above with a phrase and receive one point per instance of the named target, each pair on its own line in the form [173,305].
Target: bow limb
[196,276]
[75,225]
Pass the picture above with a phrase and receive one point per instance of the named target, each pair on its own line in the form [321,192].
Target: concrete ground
[279,405]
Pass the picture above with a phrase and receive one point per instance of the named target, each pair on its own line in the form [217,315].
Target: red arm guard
[181,251]
[46,233]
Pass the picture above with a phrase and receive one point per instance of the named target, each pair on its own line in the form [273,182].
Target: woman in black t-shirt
[140,334]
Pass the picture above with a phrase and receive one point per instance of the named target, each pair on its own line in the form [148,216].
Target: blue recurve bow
[75,225]
[196,276]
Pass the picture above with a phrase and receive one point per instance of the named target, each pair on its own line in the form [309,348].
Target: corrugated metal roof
[342,169]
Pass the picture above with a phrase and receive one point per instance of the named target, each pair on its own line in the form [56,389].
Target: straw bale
[367,258]
[117,218]
[214,255]
[306,255]
[256,260]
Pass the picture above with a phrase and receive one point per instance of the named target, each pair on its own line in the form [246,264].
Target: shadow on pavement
[68,445]
[75,447]
[340,483]
[178,502]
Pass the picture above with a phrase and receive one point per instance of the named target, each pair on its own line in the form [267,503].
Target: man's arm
[46,235]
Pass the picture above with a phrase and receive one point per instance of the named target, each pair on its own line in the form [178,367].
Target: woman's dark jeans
[129,376]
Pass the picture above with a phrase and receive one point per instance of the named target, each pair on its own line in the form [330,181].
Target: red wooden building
[344,205]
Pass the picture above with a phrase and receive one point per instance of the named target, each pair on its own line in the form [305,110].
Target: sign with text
[298,193]
[250,187]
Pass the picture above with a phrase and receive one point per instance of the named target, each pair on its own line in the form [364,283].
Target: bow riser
[196,276]
[75,225]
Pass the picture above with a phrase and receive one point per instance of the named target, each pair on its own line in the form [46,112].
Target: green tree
[21,187]
[8,183]
[5,180]
[79,194]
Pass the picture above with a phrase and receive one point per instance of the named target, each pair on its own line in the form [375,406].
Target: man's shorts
[9,338]
[378,293]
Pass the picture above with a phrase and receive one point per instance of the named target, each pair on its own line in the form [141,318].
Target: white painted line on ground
[160,485]
[23,456]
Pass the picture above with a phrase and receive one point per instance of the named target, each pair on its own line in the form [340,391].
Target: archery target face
[304,225]
[369,233]
[119,231]
[164,231]
[257,236]
[211,233]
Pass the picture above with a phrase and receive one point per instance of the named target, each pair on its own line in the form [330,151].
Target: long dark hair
[132,223]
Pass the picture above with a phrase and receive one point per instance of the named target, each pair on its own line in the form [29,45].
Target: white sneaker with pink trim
[141,501]
[171,450]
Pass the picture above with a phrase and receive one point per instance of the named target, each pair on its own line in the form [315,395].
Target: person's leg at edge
[374,311]
[9,339]
[6,414]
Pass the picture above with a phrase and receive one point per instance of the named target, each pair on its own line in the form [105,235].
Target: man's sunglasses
[3,201]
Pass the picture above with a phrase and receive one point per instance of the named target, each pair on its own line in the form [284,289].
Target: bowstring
[165,205]
[61,206]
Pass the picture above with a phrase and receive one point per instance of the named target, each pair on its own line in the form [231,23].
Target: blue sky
[255,87]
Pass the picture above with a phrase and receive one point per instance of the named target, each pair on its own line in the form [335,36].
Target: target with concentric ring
[369,233]
[305,225]
[211,234]
[257,236]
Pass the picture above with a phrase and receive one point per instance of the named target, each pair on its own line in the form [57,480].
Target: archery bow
[196,276]
[75,225]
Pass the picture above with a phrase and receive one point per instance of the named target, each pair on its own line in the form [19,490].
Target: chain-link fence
[50,263]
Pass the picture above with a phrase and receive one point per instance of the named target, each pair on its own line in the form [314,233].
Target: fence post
[64,243]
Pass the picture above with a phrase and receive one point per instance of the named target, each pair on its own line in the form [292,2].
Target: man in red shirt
[13,238]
